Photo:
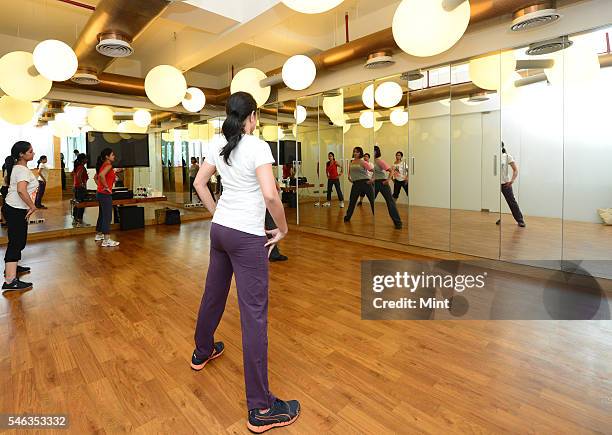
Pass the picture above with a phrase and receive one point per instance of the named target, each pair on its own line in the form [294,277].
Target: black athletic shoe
[279,257]
[398,226]
[199,363]
[346,219]
[16,285]
[22,269]
[522,224]
[498,222]
[280,414]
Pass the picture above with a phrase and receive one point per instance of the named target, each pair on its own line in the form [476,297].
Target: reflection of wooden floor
[468,232]
[57,216]
[110,346]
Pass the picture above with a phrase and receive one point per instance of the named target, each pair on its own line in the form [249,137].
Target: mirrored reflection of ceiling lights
[101,118]
[426,28]
[300,114]
[388,94]
[165,86]
[490,72]
[333,107]
[399,117]
[578,64]
[367,96]
[311,6]
[248,80]
[142,118]
[299,72]
[369,119]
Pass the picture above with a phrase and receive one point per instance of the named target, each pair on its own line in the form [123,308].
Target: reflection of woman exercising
[366,157]
[506,186]
[358,175]
[382,173]
[400,175]
[333,179]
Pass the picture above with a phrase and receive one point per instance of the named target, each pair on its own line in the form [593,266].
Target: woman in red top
[333,179]
[105,178]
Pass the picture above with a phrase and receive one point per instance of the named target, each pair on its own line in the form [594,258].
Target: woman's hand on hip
[275,236]
[30,212]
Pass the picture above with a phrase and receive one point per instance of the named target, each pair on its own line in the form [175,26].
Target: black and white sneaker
[280,414]
[199,363]
[16,285]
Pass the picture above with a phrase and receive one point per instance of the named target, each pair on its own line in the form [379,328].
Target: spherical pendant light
[55,60]
[490,72]
[270,133]
[300,114]
[388,94]
[101,118]
[165,86]
[130,127]
[368,119]
[333,107]
[20,79]
[311,6]
[399,117]
[576,65]
[425,28]
[63,128]
[247,80]
[194,100]
[14,111]
[142,118]
[299,72]
[368,96]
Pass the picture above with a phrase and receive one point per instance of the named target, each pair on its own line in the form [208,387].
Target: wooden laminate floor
[106,337]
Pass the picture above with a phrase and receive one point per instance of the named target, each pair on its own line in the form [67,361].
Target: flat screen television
[131,150]
[286,149]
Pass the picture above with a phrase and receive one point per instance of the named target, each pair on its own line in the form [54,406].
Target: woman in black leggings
[358,175]
[382,172]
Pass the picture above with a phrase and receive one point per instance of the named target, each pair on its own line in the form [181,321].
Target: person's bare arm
[200,184]
[22,191]
[269,190]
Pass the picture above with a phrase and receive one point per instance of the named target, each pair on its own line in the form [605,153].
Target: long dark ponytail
[19,148]
[102,158]
[40,161]
[238,108]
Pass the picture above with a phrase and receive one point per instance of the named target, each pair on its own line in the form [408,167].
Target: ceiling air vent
[534,16]
[379,59]
[85,77]
[547,47]
[412,75]
[114,45]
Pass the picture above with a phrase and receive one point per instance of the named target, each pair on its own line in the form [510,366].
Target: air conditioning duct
[534,16]
[114,44]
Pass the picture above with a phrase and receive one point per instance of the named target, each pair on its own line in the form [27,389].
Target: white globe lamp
[425,27]
[165,86]
[55,60]
[311,6]
[248,80]
[299,72]
[194,100]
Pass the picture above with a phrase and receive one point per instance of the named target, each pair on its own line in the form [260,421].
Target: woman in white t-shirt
[18,208]
[43,174]
[238,246]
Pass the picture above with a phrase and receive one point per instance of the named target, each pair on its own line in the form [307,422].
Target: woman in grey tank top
[382,173]
[358,175]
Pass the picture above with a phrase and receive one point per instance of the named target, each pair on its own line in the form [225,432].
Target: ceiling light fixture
[426,28]
[194,100]
[248,80]
[55,60]
[299,72]
[311,6]
[399,117]
[20,79]
[388,94]
[300,114]
[16,112]
[142,118]
[165,86]
[368,96]
[101,118]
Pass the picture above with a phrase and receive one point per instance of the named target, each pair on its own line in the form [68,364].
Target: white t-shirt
[506,175]
[241,205]
[21,173]
[44,171]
